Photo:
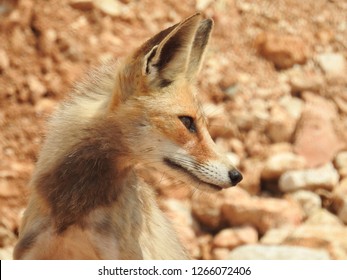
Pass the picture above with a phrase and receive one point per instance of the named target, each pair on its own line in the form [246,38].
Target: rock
[7,189]
[309,201]
[333,64]
[6,253]
[4,60]
[110,7]
[293,105]
[281,125]
[265,252]
[201,5]
[316,138]
[232,237]
[84,5]
[206,207]
[219,122]
[36,87]
[277,236]
[262,213]
[323,177]
[251,171]
[324,232]
[279,148]
[220,253]
[283,50]
[341,160]
[48,42]
[280,163]
[323,217]
[306,81]
[45,106]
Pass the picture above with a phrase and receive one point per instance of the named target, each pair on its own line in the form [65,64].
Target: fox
[87,201]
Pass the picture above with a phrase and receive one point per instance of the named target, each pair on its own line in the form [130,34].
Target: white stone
[306,81]
[323,217]
[263,213]
[323,177]
[277,164]
[281,125]
[293,105]
[277,236]
[36,86]
[341,160]
[110,7]
[309,201]
[201,5]
[265,252]
[333,64]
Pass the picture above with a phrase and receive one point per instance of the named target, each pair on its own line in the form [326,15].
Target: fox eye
[188,123]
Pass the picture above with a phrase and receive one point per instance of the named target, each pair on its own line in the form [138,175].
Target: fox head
[161,118]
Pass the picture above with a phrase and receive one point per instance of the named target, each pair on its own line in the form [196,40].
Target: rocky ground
[274,86]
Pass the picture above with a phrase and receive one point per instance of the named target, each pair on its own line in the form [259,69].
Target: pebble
[323,177]
[233,237]
[283,50]
[341,160]
[273,252]
[280,163]
[316,137]
[262,213]
[309,201]
[333,64]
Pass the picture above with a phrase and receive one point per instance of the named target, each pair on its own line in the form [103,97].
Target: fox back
[86,200]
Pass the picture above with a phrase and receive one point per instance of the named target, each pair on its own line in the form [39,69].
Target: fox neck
[91,174]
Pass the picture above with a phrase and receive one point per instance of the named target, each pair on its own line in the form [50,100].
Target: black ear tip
[207,22]
[205,26]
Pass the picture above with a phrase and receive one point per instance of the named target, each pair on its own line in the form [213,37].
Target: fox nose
[235,177]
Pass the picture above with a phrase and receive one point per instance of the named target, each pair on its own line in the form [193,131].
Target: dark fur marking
[84,179]
[154,51]
[202,34]
[168,52]
[165,83]
[104,226]
[155,40]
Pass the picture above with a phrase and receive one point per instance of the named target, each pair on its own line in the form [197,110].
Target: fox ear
[168,60]
[202,36]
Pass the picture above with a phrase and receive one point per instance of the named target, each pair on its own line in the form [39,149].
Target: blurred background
[274,87]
